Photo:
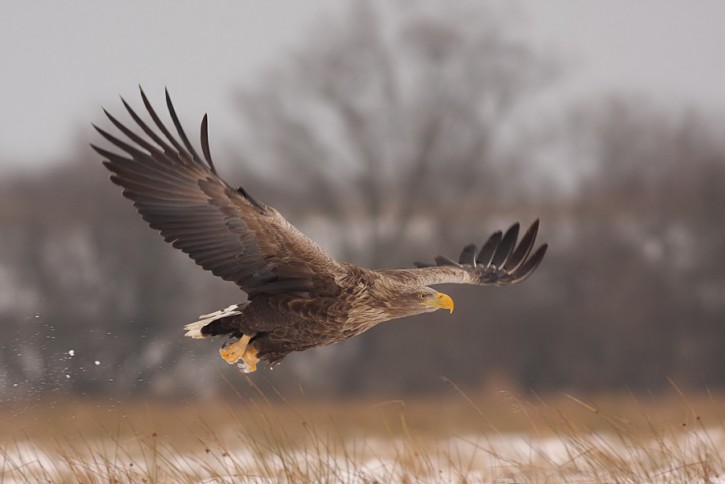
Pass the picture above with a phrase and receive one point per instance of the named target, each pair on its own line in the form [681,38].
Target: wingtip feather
[520,253]
[205,142]
[531,264]
[505,246]
[489,248]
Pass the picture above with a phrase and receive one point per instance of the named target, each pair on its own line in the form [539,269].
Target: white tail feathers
[193,330]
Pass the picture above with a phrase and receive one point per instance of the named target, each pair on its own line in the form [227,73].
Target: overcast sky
[60,61]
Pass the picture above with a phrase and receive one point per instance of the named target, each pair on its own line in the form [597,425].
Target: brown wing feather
[500,262]
[224,230]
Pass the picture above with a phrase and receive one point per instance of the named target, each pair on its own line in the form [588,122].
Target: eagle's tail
[194,330]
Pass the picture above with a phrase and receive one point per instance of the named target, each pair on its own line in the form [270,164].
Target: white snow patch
[474,457]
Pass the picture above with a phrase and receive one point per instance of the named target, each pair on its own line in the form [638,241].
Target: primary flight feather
[298,296]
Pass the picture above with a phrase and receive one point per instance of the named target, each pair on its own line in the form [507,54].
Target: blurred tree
[388,124]
[650,301]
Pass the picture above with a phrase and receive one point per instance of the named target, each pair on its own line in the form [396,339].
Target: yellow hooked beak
[441,301]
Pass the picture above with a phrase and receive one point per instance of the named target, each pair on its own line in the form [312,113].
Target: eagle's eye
[423,295]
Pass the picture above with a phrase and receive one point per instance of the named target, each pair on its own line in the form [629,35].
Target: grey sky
[60,61]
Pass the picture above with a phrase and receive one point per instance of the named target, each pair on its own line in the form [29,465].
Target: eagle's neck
[377,298]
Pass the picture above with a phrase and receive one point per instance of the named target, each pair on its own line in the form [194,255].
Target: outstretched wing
[225,230]
[500,262]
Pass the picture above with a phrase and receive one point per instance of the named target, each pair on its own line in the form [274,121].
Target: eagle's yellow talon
[241,350]
[250,360]
[234,352]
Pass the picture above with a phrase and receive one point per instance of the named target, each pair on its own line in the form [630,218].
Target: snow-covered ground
[695,456]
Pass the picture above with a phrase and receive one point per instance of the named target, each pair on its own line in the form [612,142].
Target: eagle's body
[298,297]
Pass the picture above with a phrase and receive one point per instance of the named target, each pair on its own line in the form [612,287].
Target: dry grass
[499,438]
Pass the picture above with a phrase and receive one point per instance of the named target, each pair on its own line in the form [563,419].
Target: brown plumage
[298,297]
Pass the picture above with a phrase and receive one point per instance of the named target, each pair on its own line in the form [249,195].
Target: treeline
[390,141]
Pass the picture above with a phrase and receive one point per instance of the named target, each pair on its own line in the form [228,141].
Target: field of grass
[496,437]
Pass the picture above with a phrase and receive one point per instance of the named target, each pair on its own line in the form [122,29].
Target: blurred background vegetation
[392,136]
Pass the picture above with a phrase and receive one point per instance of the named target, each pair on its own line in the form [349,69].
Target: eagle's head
[388,299]
[432,300]
[422,299]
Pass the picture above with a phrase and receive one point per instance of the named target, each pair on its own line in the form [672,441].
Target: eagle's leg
[233,352]
[241,350]
[249,360]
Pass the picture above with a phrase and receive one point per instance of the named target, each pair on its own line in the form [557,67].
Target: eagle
[298,296]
